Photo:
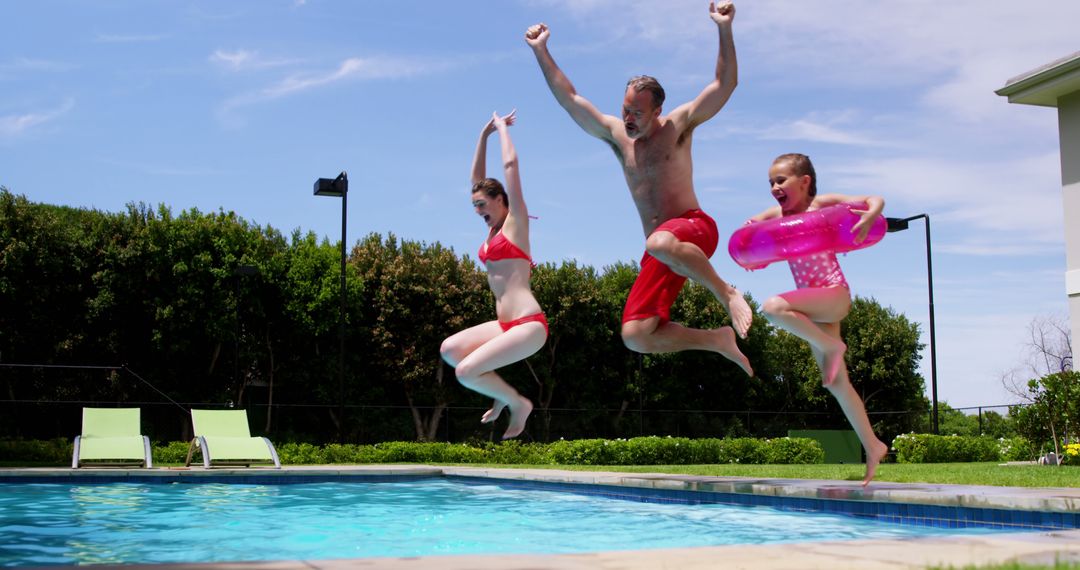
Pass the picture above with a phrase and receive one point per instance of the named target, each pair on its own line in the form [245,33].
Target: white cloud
[242,60]
[235,60]
[956,52]
[1008,201]
[354,68]
[13,125]
[814,131]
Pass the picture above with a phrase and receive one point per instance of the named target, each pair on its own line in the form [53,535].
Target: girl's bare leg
[854,409]
[802,310]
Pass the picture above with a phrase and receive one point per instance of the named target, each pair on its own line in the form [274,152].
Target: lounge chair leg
[149,463]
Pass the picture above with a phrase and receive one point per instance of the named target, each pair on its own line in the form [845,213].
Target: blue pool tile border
[937,516]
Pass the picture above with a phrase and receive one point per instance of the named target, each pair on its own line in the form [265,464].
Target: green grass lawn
[1016,566]
[950,473]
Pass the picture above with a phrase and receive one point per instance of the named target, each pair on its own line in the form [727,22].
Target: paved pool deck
[1039,547]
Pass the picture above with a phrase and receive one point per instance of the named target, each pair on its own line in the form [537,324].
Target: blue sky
[242,105]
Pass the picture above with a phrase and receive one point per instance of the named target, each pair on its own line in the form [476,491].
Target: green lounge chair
[111,437]
[224,439]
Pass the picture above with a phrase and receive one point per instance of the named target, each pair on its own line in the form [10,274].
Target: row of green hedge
[636,451]
[910,448]
[927,448]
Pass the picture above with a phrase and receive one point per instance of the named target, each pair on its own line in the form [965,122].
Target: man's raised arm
[716,93]
[581,110]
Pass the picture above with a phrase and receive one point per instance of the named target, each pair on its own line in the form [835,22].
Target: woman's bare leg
[476,371]
[461,344]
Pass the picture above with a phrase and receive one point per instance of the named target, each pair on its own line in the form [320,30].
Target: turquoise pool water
[151,523]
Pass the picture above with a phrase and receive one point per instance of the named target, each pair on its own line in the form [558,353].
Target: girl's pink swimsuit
[499,248]
[817,270]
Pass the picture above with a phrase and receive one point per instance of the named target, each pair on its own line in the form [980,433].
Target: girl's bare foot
[519,414]
[874,455]
[725,345]
[492,414]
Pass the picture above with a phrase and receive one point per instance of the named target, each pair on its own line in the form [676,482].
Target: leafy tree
[1046,382]
[997,425]
[582,353]
[306,287]
[956,422]
[1047,350]
[161,293]
[419,294]
[1053,415]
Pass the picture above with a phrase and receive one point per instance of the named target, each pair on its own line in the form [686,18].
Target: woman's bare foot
[738,309]
[519,414]
[833,362]
[874,455]
[492,414]
[725,345]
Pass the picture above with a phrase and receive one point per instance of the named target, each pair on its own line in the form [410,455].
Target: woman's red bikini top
[499,248]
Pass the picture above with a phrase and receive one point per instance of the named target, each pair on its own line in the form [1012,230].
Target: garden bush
[37,451]
[652,450]
[929,448]
[172,452]
[1017,449]
[1071,454]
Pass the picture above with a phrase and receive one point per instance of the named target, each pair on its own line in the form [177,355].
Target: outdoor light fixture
[901,224]
[336,187]
[339,188]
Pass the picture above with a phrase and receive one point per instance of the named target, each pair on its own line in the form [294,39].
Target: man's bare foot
[519,414]
[739,310]
[833,362]
[492,414]
[874,455]
[726,346]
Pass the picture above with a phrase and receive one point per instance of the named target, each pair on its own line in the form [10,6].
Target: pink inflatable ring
[756,245]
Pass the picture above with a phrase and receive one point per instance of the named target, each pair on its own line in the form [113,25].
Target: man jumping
[654,151]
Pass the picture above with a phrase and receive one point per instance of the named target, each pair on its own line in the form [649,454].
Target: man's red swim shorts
[657,286]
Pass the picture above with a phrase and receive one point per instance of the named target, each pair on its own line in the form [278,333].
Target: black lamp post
[339,188]
[900,224]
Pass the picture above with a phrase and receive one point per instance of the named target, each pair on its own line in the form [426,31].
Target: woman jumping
[520,329]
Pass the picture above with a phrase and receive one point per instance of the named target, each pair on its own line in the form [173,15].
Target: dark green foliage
[634,451]
[32,452]
[163,294]
[928,448]
[1053,417]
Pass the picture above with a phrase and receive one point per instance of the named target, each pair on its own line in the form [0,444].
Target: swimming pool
[93,522]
